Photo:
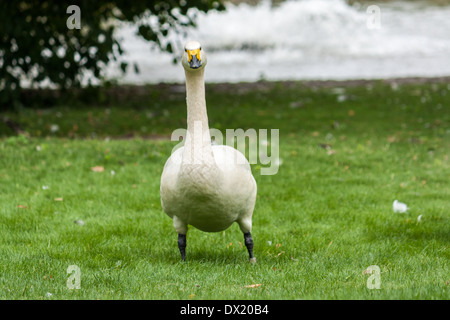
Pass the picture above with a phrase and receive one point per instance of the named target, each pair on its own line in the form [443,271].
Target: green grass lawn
[347,153]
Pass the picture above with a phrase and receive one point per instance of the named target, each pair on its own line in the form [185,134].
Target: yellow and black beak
[194,59]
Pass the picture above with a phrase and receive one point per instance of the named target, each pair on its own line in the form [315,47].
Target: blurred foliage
[37,45]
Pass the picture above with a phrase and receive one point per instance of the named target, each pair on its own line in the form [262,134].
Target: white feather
[399,206]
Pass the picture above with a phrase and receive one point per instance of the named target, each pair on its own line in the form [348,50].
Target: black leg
[182,245]
[249,244]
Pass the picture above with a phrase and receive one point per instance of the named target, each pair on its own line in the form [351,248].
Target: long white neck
[197,147]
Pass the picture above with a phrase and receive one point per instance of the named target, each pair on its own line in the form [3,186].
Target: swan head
[194,58]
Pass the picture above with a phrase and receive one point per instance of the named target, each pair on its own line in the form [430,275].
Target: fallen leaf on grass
[98,169]
[391,139]
[367,271]
[253,285]
[22,207]
[325,146]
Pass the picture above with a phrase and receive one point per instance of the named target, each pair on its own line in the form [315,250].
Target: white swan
[207,186]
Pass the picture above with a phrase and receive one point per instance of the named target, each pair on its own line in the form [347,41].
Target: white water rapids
[304,39]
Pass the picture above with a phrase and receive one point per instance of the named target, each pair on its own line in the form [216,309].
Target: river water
[305,40]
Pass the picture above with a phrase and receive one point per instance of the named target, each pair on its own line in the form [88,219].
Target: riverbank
[155,110]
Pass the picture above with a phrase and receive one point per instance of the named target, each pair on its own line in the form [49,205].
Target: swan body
[207,186]
[209,198]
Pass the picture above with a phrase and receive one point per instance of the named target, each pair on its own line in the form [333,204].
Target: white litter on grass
[49,295]
[79,222]
[400,207]
[45,187]
[394,86]
[295,104]
[338,90]
[342,98]
[54,128]
[419,218]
